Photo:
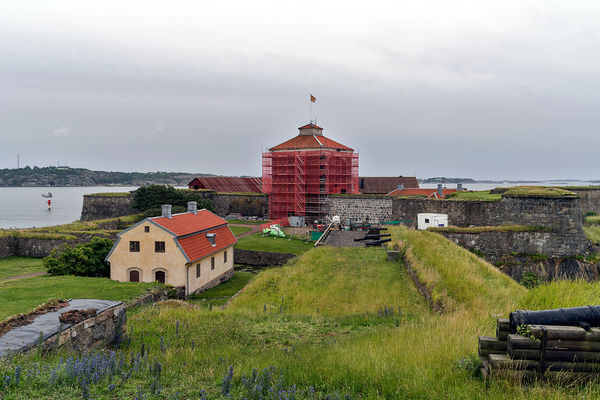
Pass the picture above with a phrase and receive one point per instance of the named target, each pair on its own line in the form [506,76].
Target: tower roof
[310,136]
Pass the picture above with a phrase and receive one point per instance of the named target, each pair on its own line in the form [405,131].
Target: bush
[530,280]
[149,199]
[81,260]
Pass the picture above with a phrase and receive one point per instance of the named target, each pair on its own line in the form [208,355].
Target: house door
[134,276]
[160,276]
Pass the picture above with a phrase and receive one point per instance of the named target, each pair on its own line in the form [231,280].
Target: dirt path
[24,276]
[254,229]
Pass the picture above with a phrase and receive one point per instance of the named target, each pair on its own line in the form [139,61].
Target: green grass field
[333,324]
[274,244]
[15,266]
[484,195]
[23,295]
[239,230]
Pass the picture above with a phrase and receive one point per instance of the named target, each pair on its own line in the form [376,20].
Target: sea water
[24,207]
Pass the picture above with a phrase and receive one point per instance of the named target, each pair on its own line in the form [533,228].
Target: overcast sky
[482,89]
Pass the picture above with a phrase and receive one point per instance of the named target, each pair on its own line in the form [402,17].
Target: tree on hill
[149,199]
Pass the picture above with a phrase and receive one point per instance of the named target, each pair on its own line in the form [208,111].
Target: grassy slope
[484,195]
[328,335]
[238,230]
[333,282]
[14,266]
[22,295]
[274,244]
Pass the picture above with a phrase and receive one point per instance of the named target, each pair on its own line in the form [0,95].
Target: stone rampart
[497,243]
[590,199]
[103,207]
[460,213]
[251,204]
[261,258]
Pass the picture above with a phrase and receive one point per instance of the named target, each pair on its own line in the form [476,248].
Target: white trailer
[427,220]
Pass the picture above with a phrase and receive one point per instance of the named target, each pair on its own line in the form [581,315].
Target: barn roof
[228,184]
[385,184]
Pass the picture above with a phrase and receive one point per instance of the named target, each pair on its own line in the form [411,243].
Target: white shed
[427,220]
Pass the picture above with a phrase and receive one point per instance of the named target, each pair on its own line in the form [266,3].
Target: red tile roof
[188,223]
[385,184]
[310,142]
[227,184]
[197,246]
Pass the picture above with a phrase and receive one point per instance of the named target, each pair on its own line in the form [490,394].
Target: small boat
[47,195]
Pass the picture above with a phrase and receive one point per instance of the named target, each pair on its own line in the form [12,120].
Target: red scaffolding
[299,181]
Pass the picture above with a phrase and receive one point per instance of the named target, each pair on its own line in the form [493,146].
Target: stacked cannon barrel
[374,237]
[560,343]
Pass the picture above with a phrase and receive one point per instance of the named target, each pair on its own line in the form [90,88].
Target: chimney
[400,186]
[459,187]
[440,191]
[192,207]
[166,211]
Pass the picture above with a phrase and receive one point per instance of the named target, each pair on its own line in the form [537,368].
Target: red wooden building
[299,174]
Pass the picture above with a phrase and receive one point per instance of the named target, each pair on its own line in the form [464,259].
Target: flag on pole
[313,98]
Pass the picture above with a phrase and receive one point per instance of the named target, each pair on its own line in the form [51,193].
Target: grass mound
[483,195]
[538,191]
[455,277]
[332,281]
[16,265]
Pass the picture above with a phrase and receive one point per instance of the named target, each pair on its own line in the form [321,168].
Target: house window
[197,270]
[426,220]
[134,246]
[146,229]
[225,257]
[212,263]
[159,247]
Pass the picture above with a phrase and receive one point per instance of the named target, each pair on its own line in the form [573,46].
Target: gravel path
[24,276]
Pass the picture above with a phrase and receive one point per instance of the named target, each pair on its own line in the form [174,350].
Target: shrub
[81,260]
[530,280]
[149,199]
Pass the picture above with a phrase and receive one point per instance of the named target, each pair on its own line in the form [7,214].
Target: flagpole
[309,108]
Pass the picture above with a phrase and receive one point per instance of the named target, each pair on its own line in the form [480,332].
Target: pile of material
[561,343]
[274,230]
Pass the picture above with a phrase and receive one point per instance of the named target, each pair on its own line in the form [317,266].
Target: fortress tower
[300,173]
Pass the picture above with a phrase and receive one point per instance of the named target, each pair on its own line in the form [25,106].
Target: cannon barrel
[584,317]
[369,237]
[378,242]
[375,230]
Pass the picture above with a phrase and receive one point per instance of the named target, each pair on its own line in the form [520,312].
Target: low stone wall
[7,246]
[498,243]
[361,208]
[36,247]
[103,207]
[217,281]
[261,258]
[91,333]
